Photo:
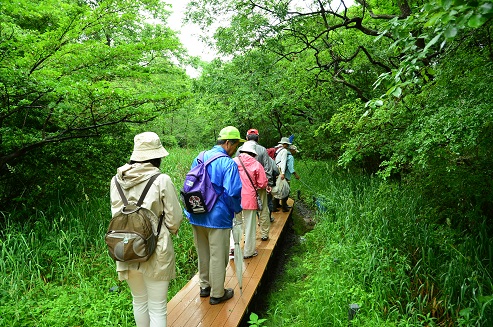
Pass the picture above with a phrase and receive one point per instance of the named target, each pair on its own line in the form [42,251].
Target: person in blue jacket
[211,230]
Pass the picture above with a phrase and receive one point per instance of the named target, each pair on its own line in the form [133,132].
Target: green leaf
[397,92]
[476,21]
[450,32]
[486,8]
[433,20]
[433,41]
[446,4]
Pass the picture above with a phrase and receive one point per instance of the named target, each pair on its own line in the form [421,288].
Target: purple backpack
[198,194]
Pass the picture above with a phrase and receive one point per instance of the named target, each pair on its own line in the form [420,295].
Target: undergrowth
[375,244]
[55,270]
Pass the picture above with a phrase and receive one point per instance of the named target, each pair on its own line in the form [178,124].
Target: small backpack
[130,236]
[272,153]
[198,194]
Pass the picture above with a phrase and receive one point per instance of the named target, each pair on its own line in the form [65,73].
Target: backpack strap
[146,189]
[119,188]
[200,158]
[142,197]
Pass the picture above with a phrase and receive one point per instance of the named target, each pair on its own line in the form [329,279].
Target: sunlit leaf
[486,8]
[397,92]
[432,42]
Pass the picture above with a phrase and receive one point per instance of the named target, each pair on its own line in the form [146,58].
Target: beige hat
[294,148]
[147,146]
[249,146]
[284,140]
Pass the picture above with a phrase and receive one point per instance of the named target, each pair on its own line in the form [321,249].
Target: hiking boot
[275,205]
[205,292]
[251,256]
[228,294]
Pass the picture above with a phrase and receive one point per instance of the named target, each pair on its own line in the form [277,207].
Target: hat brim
[144,155]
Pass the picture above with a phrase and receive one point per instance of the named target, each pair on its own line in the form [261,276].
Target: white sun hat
[147,146]
[249,146]
[284,140]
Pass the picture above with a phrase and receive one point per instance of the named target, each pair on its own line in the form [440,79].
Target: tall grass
[375,244]
[55,270]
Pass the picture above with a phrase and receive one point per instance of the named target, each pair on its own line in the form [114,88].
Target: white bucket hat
[147,146]
[284,140]
[249,146]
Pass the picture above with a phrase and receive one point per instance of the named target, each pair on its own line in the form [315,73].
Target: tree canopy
[71,69]
[395,89]
[398,88]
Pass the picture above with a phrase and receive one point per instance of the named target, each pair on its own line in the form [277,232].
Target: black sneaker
[205,292]
[228,294]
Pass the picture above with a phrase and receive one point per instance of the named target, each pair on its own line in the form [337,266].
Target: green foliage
[255,321]
[73,77]
[376,244]
[425,34]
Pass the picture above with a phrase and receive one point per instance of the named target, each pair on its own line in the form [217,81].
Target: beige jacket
[160,198]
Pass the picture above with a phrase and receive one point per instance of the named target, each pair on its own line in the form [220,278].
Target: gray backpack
[130,236]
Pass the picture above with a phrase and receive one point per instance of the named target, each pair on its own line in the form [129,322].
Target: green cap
[230,133]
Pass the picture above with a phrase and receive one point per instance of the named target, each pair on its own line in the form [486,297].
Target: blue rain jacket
[225,178]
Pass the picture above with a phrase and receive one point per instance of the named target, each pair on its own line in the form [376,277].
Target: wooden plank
[188,309]
[191,286]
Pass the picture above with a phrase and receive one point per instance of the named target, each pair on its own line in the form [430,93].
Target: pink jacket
[257,174]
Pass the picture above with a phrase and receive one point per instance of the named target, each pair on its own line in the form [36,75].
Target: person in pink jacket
[250,167]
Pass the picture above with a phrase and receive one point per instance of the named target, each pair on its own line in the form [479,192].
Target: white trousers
[248,218]
[149,299]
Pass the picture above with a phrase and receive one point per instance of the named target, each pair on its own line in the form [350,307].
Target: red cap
[252,131]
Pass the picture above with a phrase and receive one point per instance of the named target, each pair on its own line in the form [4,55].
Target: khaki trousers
[264,218]
[212,245]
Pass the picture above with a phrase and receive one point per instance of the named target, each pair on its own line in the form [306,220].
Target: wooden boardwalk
[188,309]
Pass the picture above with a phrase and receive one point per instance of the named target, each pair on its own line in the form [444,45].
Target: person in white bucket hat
[270,168]
[147,146]
[149,280]
[253,178]
[282,164]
